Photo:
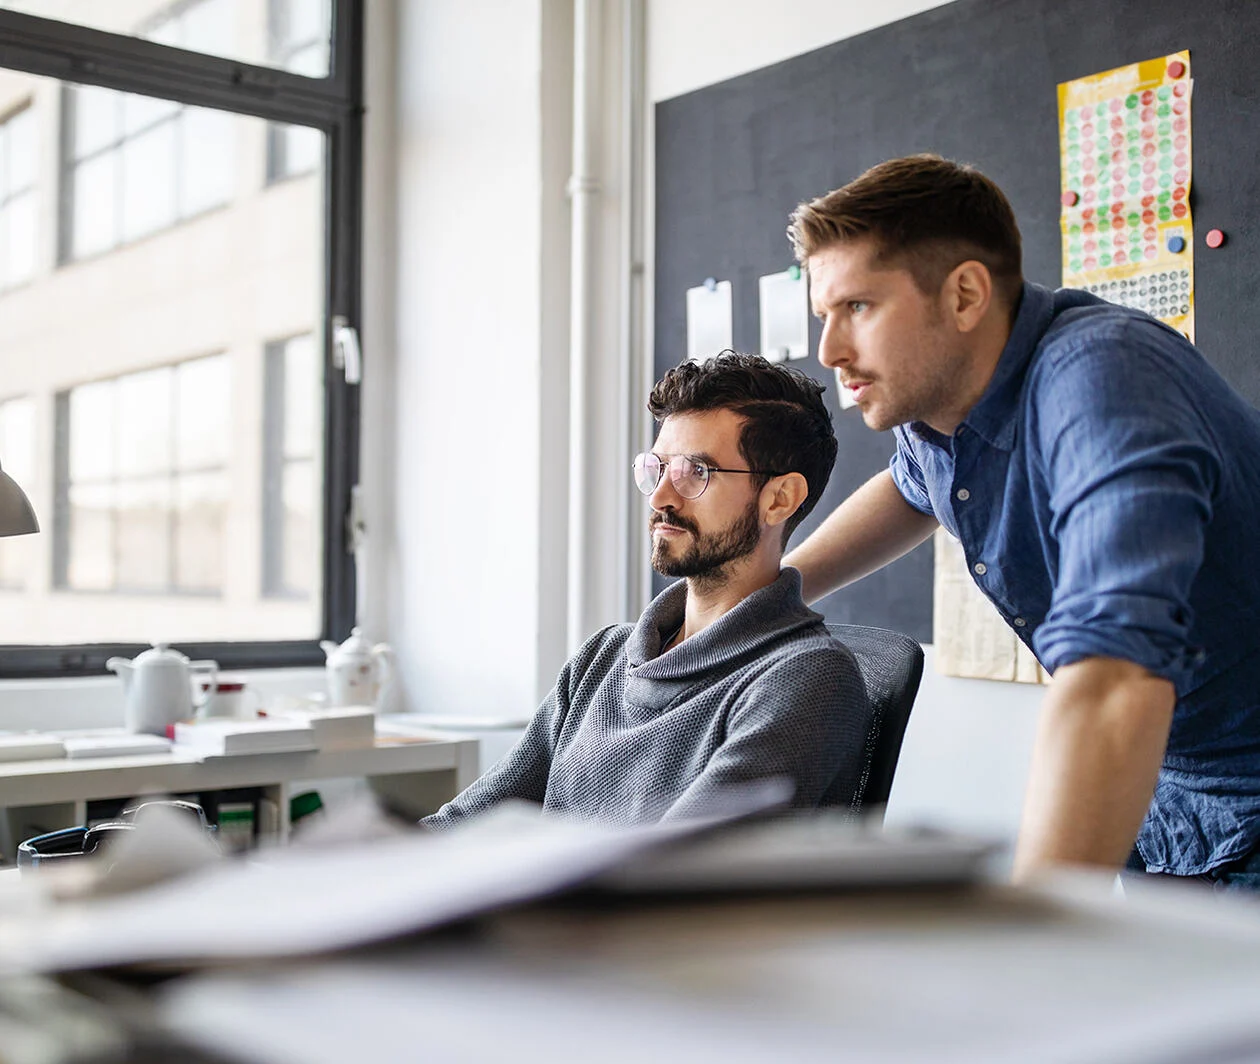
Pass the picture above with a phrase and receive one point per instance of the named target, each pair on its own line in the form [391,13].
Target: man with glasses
[727,677]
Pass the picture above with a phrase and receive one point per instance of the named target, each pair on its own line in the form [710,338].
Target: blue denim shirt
[1106,492]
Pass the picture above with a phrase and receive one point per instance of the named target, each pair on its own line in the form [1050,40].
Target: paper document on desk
[296,901]
[821,849]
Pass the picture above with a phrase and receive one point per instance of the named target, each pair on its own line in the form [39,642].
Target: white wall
[475,221]
[693,43]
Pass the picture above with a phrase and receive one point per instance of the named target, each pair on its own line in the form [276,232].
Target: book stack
[113,743]
[222,737]
[336,728]
[30,746]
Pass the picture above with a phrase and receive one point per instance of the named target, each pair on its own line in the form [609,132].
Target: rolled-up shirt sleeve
[1132,470]
[907,475]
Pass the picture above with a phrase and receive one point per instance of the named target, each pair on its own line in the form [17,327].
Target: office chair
[891,665]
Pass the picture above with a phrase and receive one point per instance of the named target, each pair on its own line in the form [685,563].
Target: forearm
[872,527]
[1100,741]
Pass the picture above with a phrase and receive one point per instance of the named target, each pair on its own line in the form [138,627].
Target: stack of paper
[30,746]
[225,736]
[114,744]
[337,728]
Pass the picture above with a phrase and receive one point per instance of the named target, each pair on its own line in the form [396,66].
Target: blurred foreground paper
[301,901]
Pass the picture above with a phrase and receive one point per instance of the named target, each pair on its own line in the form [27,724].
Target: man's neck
[708,599]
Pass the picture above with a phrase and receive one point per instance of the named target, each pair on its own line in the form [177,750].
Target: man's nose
[834,348]
[665,496]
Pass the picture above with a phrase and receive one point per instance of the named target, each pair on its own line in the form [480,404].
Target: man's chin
[664,563]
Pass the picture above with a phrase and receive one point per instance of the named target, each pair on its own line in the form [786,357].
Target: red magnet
[1069,198]
[1176,68]
[1214,239]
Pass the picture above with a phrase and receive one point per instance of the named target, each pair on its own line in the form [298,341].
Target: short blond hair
[925,214]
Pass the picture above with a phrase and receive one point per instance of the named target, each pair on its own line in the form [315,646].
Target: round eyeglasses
[689,475]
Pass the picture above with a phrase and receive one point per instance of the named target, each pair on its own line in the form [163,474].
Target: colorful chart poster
[1124,146]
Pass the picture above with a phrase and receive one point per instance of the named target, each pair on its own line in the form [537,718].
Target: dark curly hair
[787,426]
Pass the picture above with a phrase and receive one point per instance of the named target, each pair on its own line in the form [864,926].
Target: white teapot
[157,687]
[356,670]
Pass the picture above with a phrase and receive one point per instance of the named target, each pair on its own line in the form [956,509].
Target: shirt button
[963,495]
[1019,622]
[979,568]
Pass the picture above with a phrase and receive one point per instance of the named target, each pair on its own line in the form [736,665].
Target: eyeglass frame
[666,462]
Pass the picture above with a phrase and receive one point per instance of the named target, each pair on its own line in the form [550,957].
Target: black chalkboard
[975,81]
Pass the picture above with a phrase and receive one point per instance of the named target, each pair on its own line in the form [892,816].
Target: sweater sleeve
[804,719]
[521,773]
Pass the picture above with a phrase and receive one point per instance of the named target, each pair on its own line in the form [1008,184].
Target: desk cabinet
[415,777]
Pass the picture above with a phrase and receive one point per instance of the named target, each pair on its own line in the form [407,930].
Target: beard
[705,558]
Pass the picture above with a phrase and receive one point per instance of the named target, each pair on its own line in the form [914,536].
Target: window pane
[210,26]
[147,380]
[148,179]
[140,112]
[95,118]
[304,20]
[301,151]
[17,440]
[203,413]
[91,561]
[233,29]
[311,61]
[143,530]
[143,433]
[303,390]
[91,432]
[299,558]
[165,164]
[18,236]
[21,148]
[199,534]
[95,210]
[207,159]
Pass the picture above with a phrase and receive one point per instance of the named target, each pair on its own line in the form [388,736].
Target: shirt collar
[993,417]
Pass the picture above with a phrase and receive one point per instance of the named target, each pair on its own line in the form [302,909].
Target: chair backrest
[891,665]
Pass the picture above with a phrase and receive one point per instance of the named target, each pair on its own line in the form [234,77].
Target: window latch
[347,355]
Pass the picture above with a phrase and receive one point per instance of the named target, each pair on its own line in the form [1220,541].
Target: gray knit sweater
[629,735]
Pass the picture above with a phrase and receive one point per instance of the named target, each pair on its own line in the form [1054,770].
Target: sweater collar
[739,634]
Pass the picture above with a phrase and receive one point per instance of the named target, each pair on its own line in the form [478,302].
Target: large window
[17,198]
[169,403]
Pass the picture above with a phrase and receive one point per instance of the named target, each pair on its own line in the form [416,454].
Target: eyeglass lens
[689,478]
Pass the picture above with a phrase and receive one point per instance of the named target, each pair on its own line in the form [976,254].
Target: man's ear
[782,497]
[968,294]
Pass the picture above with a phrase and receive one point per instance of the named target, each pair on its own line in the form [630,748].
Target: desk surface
[64,780]
[982,975]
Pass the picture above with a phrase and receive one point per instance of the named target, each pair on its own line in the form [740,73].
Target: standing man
[1104,482]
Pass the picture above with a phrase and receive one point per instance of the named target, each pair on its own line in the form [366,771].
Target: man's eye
[857,306]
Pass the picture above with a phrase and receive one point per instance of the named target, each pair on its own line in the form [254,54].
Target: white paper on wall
[709,328]
[784,315]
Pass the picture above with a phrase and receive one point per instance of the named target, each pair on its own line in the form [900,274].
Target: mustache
[677,520]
